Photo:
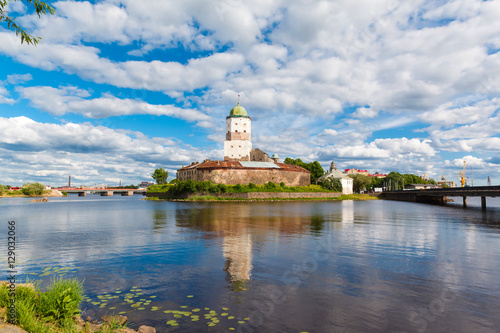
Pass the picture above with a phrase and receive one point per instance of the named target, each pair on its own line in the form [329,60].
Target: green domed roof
[238,111]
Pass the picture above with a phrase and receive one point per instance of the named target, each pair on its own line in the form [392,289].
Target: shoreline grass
[52,311]
[211,198]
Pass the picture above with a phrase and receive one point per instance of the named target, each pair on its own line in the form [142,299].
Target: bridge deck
[439,195]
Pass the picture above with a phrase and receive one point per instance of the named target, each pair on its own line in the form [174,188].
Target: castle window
[236,131]
[245,131]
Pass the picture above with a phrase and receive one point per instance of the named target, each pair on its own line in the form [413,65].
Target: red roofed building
[378,175]
[356,172]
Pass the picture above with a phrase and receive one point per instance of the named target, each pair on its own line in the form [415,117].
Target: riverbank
[50,194]
[266,196]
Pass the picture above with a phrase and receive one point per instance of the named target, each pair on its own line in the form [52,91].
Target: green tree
[160,175]
[314,167]
[332,184]
[394,181]
[39,7]
[360,182]
[33,189]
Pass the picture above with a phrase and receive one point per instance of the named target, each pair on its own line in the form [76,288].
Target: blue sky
[117,88]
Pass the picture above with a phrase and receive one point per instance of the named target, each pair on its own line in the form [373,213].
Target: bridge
[104,192]
[440,195]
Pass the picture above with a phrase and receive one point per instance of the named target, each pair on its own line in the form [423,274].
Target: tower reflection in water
[243,225]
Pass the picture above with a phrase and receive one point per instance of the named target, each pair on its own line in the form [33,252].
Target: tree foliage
[332,184]
[39,7]
[33,189]
[360,183]
[315,168]
[397,181]
[160,176]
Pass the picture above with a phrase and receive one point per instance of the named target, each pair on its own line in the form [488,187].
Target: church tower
[238,144]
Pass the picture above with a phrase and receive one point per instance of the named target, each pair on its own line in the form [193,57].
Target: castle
[242,164]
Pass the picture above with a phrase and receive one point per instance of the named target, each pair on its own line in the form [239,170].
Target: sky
[117,88]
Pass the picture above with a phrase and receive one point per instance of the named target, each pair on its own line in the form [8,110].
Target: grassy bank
[52,311]
[190,186]
[357,197]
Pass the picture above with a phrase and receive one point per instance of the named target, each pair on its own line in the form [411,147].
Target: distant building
[346,181]
[419,186]
[145,184]
[356,172]
[47,187]
[14,188]
[377,175]
[242,164]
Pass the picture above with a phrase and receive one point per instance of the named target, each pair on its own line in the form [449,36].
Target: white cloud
[364,113]
[19,78]
[154,75]
[51,152]
[62,100]
[4,99]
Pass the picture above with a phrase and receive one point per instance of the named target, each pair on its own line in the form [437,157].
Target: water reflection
[159,219]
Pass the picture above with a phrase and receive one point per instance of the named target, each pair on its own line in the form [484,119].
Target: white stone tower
[238,144]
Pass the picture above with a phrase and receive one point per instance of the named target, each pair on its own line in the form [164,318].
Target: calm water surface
[375,266]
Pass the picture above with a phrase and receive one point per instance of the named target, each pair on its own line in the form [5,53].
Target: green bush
[61,301]
[270,185]
[46,312]
[282,184]
[65,193]
[222,188]
[331,184]
[252,186]
[33,189]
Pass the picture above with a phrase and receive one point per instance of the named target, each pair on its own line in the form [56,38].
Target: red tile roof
[236,165]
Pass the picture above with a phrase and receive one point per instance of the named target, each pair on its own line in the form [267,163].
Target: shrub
[33,189]
[61,301]
[222,188]
[270,185]
[65,193]
[282,184]
[238,188]
[252,186]
[332,184]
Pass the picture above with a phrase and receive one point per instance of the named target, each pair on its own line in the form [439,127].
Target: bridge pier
[82,194]
[127,194]
[465,202]
[483,203]
[106,193]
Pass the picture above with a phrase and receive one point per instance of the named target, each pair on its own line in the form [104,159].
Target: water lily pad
[183,306]
[225,309]
[177,315]
[195,310]
[123,312]
[224,314]
[141,308]
[190,296]
[241,322]
[230,317]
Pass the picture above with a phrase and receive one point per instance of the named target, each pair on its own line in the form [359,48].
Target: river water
[365,266]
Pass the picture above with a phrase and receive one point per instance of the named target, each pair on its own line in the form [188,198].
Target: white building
[346,181]
[238,144]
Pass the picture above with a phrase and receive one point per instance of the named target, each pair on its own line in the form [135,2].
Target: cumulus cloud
[62,100]
[51,151]
[4,99]
[19,78]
